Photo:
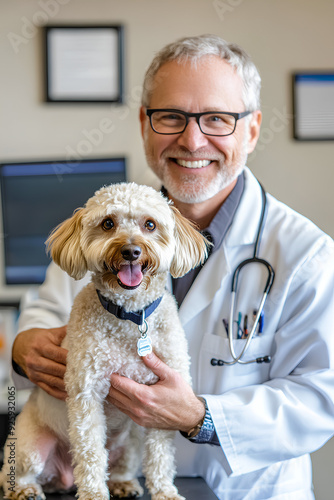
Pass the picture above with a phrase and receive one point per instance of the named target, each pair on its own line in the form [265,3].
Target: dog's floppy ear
[64,246]
[191,246]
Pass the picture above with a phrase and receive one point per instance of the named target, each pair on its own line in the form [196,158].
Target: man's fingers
[51,381]
[38,352]
[55,353]
[59,333]
[126,394]
[39,344]
[119,404]
[53,391]
[53,350]
[157,366]
[121,384]
[44,365]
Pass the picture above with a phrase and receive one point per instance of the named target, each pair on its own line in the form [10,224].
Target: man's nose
[192,138]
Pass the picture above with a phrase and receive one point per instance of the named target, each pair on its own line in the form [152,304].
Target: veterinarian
[251,435]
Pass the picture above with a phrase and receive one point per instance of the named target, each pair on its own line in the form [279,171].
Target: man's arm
[36,349]
[38,353]
[291,414]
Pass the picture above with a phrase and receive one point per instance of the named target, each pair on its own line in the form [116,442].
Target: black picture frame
[84,64]
[313,105]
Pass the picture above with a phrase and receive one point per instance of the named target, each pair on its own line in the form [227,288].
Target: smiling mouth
[196,164]
[129,275]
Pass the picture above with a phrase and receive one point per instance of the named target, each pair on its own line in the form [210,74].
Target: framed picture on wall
[84,64]
[313,103]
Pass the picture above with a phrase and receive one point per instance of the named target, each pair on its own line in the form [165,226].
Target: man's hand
[38,353]
[168,404]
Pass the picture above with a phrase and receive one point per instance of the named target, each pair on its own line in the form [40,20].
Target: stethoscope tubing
[237,359]
[254,260]
[271,276]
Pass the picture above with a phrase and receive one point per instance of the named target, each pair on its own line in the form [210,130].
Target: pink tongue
[130,274]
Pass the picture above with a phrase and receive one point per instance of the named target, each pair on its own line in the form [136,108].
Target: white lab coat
[268,417]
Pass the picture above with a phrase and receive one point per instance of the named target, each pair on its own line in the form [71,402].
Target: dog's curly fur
[104,444]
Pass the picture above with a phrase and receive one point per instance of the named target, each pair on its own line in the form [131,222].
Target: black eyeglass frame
[236,116]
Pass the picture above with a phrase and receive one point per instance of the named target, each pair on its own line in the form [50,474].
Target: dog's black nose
[130,252]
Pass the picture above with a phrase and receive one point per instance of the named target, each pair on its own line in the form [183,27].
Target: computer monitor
[36,197]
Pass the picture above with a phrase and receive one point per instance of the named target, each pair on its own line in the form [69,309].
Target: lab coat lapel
[247,217]
[218,267]
[205,286]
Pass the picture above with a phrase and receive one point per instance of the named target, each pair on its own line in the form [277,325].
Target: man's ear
[142,118]
[191,246]
[254,128]
[64,246]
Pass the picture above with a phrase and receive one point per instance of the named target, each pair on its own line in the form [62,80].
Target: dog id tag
[144,345]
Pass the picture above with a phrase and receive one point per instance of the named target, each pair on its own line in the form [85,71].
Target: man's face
[192,166]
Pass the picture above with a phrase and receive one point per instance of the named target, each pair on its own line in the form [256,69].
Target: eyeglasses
[174,121]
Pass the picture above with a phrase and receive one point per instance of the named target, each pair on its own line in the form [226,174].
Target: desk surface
[192,488]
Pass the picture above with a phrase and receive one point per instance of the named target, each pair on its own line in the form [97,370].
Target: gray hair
[194,48]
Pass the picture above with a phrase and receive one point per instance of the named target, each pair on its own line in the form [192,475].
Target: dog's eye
[150,225]
[107,224]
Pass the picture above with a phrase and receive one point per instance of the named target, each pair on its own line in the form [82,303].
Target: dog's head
[127,233]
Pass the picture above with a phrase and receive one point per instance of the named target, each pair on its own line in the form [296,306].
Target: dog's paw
[28,492]
[92,496]
[125,489]
[166,496]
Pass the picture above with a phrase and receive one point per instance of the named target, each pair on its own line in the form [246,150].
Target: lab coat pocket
[216,378]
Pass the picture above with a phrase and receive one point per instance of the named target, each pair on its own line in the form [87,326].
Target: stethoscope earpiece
[220,362]
[264,359]
[217,362]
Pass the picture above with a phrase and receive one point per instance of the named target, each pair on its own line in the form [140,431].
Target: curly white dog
[129,237]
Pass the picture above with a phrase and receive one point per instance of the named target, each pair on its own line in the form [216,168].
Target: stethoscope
[271,275]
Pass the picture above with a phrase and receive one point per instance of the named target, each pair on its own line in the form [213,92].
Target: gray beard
[194,191]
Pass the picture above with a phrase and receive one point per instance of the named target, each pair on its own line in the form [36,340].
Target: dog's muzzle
[130,272]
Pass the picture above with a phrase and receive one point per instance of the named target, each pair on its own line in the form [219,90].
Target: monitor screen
[36,197]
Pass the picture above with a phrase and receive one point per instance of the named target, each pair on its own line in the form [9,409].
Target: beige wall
[281,35]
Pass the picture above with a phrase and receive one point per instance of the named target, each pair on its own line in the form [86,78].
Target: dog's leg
[159,467]
[122,482]
[87,431]
[26,451]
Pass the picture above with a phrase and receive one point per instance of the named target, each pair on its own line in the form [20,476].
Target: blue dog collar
[136,317]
